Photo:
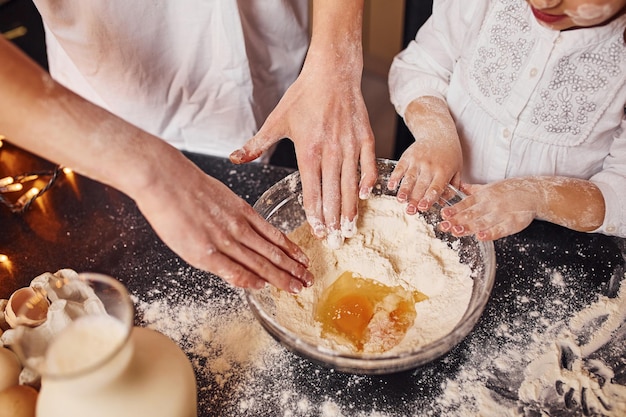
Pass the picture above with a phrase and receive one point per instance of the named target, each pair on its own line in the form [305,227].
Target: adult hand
[432,161]
[202,221]
[213,229]
[328,123]
[324,114]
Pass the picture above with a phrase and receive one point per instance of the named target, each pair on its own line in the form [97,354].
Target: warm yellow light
[29,178]
[3,258]
[28,195]
[11,188]
[15,33]
[32,192]
[67,170]
[6,181]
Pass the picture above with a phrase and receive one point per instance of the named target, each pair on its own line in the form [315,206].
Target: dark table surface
[555,321]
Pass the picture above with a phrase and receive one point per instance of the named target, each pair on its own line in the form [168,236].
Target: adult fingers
[311,179]
[331,197]
[267,136]
[275,260]
[349,197]
[369,171]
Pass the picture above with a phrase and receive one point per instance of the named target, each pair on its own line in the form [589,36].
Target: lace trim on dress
[568,100]
[575,87]
[499,58]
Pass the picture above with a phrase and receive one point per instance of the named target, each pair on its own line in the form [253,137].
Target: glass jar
[94,362]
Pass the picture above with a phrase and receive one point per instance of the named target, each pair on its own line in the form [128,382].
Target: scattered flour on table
[394,249]
[568,361]
[553,370]
[242,370]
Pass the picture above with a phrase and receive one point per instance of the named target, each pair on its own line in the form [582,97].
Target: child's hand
[506,207]
[494,210]
[433,161]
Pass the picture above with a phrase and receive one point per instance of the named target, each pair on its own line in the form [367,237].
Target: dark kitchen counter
[556,316]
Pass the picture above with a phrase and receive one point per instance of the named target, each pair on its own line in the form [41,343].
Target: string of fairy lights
[18,192]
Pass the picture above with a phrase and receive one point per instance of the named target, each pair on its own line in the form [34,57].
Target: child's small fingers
[396,175]
[407,185]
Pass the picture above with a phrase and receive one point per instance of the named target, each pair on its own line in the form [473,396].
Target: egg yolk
[362,311]
[351,314]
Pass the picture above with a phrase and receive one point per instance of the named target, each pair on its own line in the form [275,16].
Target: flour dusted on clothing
[395,249]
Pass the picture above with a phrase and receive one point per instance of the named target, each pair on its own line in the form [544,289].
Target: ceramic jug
[94,362]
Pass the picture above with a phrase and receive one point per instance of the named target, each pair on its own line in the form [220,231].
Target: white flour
[549,372]
[244,372]
[536,318]
[395,249]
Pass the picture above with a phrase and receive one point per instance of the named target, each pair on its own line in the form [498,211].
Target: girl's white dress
[527,100]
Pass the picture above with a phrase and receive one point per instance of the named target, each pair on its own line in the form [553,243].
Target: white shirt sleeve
[425,66]
[612,183]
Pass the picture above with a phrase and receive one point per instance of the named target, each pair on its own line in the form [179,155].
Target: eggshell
[27,307]
[18,401]
[10,368]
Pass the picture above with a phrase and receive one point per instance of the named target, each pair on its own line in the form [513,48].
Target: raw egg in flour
[370,315]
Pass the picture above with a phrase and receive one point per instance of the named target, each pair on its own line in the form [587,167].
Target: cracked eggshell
[10,368]
[29,302]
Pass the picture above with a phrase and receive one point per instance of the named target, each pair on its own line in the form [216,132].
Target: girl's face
[568,14]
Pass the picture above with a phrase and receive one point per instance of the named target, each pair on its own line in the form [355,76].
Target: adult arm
[324,114]
[202,221]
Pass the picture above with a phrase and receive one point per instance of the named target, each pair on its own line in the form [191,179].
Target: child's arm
[506,207]
[433,160]
[418,84]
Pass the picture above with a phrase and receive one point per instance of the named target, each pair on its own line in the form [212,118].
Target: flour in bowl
[393,249]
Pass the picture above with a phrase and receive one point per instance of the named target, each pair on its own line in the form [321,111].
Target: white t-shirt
[202,74]
[527,100]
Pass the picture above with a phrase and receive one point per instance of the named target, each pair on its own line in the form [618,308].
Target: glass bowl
[281,205]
